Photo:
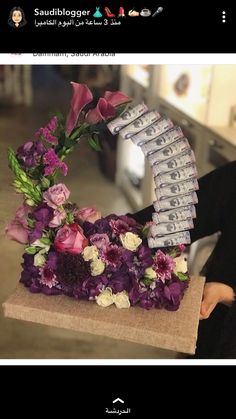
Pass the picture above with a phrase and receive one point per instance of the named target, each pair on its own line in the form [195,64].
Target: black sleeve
[216,201]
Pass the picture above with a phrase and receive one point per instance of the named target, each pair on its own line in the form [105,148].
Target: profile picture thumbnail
[17,18]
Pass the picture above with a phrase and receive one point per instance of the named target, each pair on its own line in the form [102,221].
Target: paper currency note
[176,189]
[183,173]
[126,118]
[154,130]
[143,122]
[161,141]
[182,237]
[170,227]
[174,162]
[168,151]
[174,215]
[175,202]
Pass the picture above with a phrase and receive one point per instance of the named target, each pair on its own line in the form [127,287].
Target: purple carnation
[163,265]
[112,255]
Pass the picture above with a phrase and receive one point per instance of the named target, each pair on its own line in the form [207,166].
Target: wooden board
[176,331]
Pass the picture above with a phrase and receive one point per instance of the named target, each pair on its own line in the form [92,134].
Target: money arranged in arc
[174,170]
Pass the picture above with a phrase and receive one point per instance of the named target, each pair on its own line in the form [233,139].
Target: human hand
[214,293]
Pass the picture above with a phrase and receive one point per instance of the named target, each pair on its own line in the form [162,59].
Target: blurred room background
[199,98]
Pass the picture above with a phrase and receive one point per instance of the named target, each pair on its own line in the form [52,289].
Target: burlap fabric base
[176,331]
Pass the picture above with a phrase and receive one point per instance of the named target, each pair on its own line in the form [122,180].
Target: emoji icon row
[132,13]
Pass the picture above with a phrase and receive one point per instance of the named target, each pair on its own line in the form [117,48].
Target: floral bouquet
[75,251]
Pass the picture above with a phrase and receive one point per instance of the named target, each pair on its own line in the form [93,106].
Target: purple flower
[112,255]
[119,227]
[52,124]
[127,257]
[46,132]
[101,226]
[120,281]
[30,154]
[163,265]
[123,224]
[145,256]
[52,162]
[173,294]
[146,300]
[101,241]
[52,260]
[43,214]
[134,295]
[47,277]
[30,272]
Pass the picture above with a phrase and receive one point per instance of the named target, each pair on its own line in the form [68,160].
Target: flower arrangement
[75,251]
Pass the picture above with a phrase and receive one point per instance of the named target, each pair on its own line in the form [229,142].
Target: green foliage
[182,276]
[94,142]
[23,183]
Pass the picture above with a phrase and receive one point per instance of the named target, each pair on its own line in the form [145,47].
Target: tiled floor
[88,186]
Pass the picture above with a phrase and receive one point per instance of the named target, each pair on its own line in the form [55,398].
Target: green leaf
[94,143]
[45,240]
[182,276]
[30,222]
[31,250]
[147,281]
[45,182]
[70,218]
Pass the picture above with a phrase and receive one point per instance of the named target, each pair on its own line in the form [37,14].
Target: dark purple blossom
[145,256]
[101,226]
[120,281]
[90,287]
[112,255]
[30,154]
[42,214]
[30,272]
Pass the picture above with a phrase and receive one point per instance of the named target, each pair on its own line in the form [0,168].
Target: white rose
[39,259]
[180,265]
[150,273]
[130,241]
[97,267]
[105,298]
[90,253]
[121,300]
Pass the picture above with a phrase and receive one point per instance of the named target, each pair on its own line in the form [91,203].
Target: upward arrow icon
[118,400]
